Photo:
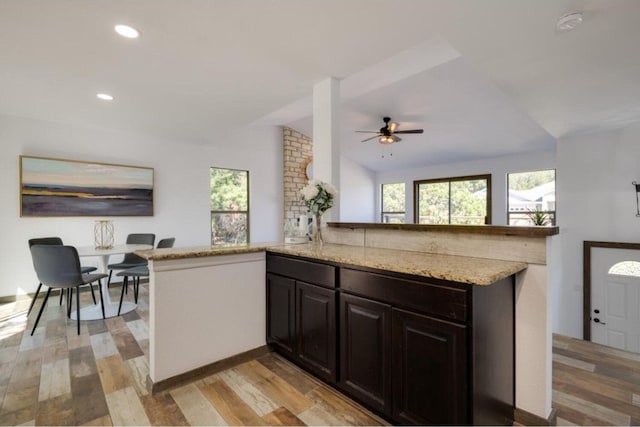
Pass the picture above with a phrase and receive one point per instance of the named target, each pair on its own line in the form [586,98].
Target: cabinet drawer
[305,271]
[425,298]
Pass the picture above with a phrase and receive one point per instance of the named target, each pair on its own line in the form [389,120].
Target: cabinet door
[429,370]
[365,351]
[281,313]
[316,329]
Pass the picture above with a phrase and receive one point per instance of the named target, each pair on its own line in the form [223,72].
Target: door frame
[586,278]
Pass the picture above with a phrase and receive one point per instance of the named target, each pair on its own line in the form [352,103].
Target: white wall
[498,167]
[181,187]
[357,192]
[258,150]
[596,201]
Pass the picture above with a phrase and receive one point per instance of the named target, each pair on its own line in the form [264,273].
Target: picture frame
[52,187]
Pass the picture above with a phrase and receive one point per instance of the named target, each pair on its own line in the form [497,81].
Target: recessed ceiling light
[127,31]
[105,96]
[569,21]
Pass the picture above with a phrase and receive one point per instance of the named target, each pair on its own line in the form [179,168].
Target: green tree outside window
[229,206]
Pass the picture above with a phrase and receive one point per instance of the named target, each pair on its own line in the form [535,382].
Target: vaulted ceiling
[483,78]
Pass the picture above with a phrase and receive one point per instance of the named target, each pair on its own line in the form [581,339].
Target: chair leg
[101,300]
[77,307]
[61,295]
[34,299]
[93,294]
[136,286]
[44,303]
[124,286]
[109,279]
[69,302]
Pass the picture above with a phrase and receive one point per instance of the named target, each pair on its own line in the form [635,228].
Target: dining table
[94,312]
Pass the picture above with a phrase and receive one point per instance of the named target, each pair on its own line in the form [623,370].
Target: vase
[317,236]
[103,234]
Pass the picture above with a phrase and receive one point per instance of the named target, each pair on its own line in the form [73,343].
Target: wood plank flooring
[56,377]
[98,378]
[595,384]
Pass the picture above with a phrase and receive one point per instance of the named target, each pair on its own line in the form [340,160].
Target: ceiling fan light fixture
[569,21]
[388,133]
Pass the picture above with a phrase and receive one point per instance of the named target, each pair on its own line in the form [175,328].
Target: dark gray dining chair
[140,271]
[130,259]
[57,241]
[59,267]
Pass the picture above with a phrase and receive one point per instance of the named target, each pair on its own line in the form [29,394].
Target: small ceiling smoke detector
[569,21]
[104,96]
[127,31]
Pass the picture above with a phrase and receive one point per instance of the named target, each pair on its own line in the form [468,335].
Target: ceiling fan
[387,133]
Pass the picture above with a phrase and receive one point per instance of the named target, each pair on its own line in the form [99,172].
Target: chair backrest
[45,241]
[141,239]
[166,243]
[57,266]
[138,239]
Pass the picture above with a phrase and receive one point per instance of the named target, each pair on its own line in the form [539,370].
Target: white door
[615,298]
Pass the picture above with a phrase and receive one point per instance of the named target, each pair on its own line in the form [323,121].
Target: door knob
[598,321]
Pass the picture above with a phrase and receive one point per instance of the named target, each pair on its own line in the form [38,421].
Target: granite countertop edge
[200,251]
[461,269]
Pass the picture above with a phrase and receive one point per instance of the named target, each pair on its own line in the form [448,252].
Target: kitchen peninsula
[228,316]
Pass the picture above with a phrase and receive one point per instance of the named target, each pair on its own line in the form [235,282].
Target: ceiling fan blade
[396,138]
[367,131]
[392,126]
[410,131]
[369,139]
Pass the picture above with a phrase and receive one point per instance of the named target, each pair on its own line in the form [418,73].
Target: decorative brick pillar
[298,152]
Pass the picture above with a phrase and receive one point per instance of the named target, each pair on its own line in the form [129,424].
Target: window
[626,268]
[532,198]
[460,200]
[393,203]
[229,206]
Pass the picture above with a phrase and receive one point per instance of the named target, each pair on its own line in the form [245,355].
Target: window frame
[213,212]
[383,212]
[553,215]
[416,194]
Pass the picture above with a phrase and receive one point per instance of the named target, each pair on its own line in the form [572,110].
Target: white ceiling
[483,78]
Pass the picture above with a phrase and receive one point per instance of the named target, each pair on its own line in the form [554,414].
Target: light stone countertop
[201,251]
[477,271]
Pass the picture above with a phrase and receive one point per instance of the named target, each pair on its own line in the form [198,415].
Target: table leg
[94,312]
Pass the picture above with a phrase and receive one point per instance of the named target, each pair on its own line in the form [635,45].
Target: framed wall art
[58,187]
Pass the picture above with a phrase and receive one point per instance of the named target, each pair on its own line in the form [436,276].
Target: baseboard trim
[206,370]
[13,298]
[522,417]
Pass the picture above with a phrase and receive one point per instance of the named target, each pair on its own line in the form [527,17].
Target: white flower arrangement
[318,196]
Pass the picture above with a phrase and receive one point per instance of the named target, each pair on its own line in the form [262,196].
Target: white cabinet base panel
[202,310]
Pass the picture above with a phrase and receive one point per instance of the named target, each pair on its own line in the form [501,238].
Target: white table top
[115,250]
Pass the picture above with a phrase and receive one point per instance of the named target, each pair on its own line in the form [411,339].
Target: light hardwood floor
[595,384]
[98,378]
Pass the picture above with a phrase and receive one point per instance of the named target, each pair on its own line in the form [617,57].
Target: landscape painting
[57,187]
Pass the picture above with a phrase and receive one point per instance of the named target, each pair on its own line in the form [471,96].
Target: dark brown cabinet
[316,328]
[281,312]
[413,349]
[301,316]
[365,351]
[452,347]
[429,370]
